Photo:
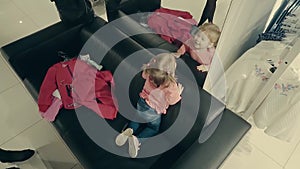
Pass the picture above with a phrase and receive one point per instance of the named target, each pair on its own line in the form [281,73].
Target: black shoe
[13,168]
[7,156]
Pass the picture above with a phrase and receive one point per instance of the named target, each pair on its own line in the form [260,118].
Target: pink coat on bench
[78,84]
[171,24]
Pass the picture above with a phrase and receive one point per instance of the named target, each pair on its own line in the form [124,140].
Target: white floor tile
[18,112]
[56,155]
[5,165]
[276,149]
[78,166]
[51,151]
[293,162]
[37,10]
[39,135]
[34,162]
[16,23]
[8,79]
[247,156]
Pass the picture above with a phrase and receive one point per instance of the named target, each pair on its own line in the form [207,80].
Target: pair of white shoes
[134,144]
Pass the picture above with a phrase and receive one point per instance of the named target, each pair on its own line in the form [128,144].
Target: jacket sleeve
[203,57]
[105,75]
[172,94]
[182,49]
[48,86]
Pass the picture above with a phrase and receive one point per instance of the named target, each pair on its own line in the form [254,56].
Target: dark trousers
[208,12]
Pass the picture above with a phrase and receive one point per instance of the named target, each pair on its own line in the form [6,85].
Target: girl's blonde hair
[212,31]
[161,69]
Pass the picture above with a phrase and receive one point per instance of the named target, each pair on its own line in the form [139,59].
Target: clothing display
[251,71]
[78,84]
[279,113]
[172,25]
[246,76]
[285,26]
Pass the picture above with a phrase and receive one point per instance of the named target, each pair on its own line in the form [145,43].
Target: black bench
[31,57]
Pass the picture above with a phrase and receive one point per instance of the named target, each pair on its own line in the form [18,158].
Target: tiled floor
[21,126]
[258,150]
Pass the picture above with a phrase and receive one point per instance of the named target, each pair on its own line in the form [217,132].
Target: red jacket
[172,24]
[78,84]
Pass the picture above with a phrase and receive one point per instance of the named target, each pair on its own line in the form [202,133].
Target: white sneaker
[133,146]
[122,137]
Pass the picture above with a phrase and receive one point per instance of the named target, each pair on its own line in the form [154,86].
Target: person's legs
[208,12]
[134,126]
[9,156]
[152,118]
[151,129]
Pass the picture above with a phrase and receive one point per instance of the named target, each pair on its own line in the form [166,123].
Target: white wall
[245,20]
[196,7]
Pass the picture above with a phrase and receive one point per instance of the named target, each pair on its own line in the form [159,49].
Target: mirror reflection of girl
[202,46]
[159,91]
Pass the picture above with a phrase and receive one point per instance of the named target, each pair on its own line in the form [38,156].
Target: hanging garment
[172,25]
[78,84]
[246,76]
[279,114]
[285,25]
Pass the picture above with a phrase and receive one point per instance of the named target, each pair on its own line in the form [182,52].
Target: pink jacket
[78,84]
[172,24]
[159,98]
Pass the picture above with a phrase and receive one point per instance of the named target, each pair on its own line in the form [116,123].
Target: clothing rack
[290,8]
[284,23]
[291,53]
[278,30]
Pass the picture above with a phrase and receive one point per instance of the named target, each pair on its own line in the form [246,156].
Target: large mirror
[240,32]
[253,61]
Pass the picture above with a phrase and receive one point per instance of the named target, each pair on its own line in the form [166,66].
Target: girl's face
[201,41]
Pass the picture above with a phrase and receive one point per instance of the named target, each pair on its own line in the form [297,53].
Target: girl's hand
[176,55]
[181,50]
[202,68]
[180,88]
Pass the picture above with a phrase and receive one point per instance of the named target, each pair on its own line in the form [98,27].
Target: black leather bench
[31,56]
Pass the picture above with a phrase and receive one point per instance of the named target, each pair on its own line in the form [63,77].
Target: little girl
[202,46]
[160,90]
